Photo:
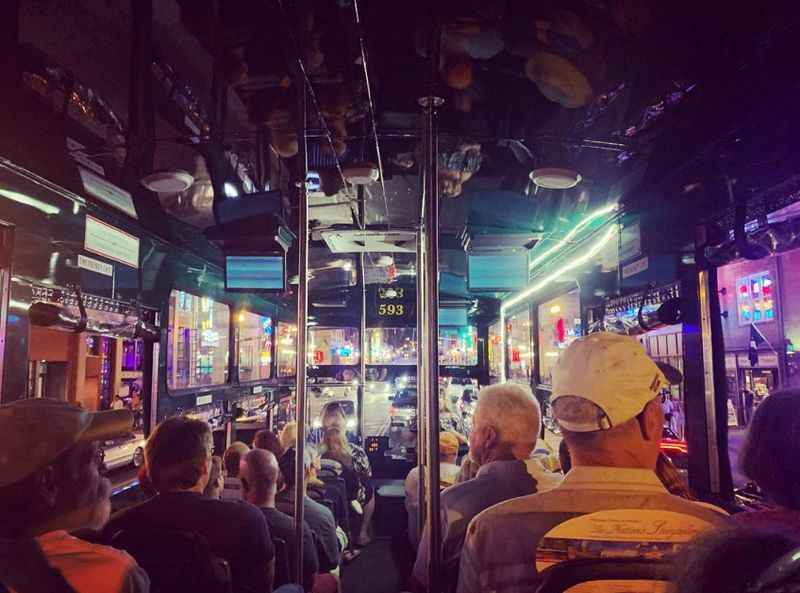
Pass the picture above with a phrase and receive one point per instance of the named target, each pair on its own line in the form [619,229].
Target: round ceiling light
[363,174]
[554,178]
[168,182]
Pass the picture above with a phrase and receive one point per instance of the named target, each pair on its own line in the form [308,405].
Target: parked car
[124,451]
[403,412]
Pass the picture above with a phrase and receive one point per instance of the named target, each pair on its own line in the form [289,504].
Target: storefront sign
[633,268]
[95,265]
[108,241]
[108,193]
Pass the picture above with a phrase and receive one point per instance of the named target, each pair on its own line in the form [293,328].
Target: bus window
[255,346]
[458,346]
[287,349]
[519,345]
[333,346]
[494,352]
[391,345]
[197,350]
[559,326]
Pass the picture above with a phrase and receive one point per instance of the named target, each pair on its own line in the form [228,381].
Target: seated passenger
[52,484]
[448,470]
[269,441]
[356,474]
[606,400]
[215,481]
[259,474]
[738,561]
[769,459]
[319,518]
[232,486]
[506,425]
[288,435]
[178,457]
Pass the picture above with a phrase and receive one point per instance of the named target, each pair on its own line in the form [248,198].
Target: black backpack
[176,561]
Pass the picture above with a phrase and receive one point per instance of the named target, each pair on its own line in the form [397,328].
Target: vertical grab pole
[430,202]
[422,381]
[362,368]
[302,335]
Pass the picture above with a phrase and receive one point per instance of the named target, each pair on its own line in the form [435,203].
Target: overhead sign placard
[95,265]
[78,153]
[108,193]
[633,268]
[103,239]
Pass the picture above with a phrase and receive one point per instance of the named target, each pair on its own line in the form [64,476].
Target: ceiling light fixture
[168,182]
[555,178]
[230,190]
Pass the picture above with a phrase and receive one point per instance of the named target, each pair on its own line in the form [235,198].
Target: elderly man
[505,429]
[259,474]
[178,456]
[607,403]
[51,483]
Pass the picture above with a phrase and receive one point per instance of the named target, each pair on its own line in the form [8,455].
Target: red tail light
[672,446]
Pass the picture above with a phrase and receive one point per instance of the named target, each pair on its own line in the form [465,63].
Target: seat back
[175,561]
[283,571]
[632,576]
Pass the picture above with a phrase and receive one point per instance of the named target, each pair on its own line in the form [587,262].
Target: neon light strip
[578,261]
[568,237]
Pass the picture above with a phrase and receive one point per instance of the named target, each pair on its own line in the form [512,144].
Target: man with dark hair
[259,474]
[178,456]
[606,399]
[51,484]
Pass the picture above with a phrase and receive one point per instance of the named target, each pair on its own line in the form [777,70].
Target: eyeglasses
[783,576]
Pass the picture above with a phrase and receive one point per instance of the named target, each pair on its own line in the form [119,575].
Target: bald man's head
[259,473]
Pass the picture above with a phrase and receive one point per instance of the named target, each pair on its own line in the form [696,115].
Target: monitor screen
[255,272]
[453,316]
[498,271]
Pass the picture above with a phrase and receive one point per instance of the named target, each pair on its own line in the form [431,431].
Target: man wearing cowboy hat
[52,483]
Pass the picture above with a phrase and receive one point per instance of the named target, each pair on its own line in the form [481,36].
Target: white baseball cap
[614,373]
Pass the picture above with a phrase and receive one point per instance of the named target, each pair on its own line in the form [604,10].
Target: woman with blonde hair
[288,435]
[356,474]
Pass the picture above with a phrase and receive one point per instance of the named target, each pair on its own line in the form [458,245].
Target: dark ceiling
[631,94]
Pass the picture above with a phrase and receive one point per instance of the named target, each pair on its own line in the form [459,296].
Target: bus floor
[385,564]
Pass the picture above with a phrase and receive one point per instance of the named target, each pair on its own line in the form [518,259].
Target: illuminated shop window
[755,298]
